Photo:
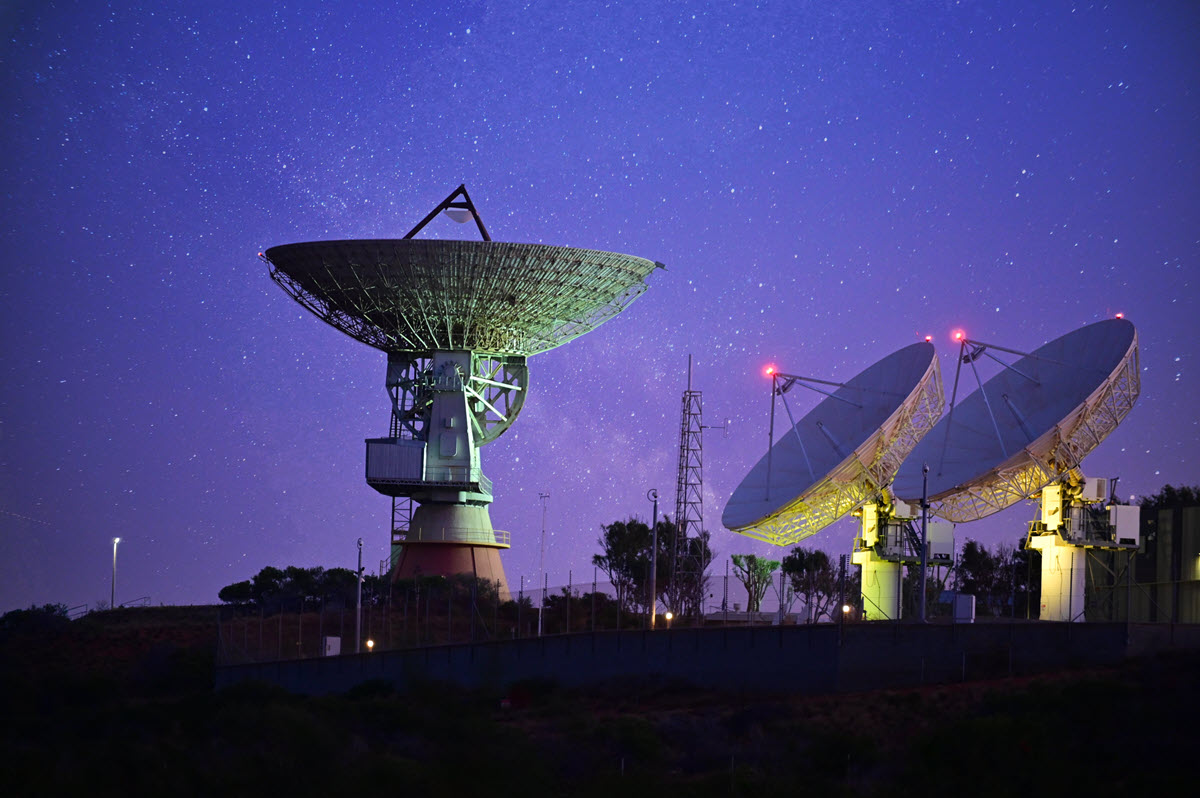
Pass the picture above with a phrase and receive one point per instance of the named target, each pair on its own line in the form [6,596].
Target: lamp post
[358,605]
[924,536]
[112,599]
[542,561]
[652,495]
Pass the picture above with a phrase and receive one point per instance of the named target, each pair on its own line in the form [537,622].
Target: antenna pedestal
[1075,517]
[880,575]
[888,540]
[441,401]
[1063,570]
[447,539]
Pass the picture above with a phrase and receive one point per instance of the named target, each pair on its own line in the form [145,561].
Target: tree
[293,585]
[996,577]
[237,593]
[1171,497]
[755,575]
[266,584]
[45,618]
[935,584]
[339,586]
[976,574]
[302,583]
[625,545]
[813,578]
[626,559]
[1027,581]
[689,588]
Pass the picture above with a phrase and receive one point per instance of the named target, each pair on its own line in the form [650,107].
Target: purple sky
[824,185]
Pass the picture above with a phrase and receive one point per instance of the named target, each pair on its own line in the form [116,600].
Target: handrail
[450,476]
[489,537]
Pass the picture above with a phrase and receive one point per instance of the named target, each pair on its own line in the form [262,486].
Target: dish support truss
[495,389]
[1052,455]
[861,476]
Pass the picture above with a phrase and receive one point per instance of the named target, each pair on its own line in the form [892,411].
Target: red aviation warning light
[1120,315]
[928,339]
[959,335]
[769,371]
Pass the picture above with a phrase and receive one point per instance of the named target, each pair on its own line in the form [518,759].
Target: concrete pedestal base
[448,559]
[880,588]
[1063,570]
[446,539]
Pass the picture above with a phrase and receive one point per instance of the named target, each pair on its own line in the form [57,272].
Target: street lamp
[358,605]
[112,600]
[669,616]
[652,495]
[542,561]
[924,537]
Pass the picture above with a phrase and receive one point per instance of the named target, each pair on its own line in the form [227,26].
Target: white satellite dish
[843,452]
[1028,425]
[1023,434]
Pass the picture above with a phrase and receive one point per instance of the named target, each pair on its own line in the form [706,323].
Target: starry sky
[826,183]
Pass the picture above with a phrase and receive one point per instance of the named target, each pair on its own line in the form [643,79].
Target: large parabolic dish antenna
[842,453]
[458,320]
[1028,425]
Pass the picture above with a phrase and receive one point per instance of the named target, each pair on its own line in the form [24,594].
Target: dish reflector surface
[854,440]
[424,295]
[1075,391]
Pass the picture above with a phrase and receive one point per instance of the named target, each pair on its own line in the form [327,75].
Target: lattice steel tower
[690,554]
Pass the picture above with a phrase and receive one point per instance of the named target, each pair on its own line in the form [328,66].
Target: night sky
[826,183]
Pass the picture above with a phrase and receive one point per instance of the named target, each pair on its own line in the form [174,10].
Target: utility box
[964,608]
[940,536]
[332,646]
[1095,489]
[1126,523]
[393,463]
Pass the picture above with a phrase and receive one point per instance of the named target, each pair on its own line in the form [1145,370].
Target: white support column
[880,577]
[1063,570]
[881,588]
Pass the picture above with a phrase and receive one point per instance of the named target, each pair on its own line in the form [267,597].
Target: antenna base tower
[1076,515]
[888,539]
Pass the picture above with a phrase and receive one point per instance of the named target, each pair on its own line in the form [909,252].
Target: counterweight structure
[458,321]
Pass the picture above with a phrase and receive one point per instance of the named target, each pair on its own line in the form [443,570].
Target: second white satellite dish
[1029,424]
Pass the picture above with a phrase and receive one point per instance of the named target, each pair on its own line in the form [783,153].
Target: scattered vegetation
[754,573]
